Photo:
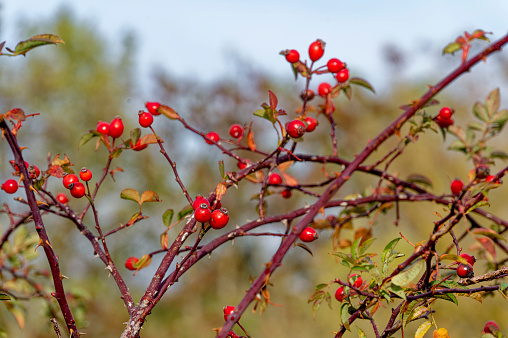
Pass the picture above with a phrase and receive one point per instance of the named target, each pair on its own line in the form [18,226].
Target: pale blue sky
[195,37]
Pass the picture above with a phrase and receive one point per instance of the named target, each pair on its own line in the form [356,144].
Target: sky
[197,38]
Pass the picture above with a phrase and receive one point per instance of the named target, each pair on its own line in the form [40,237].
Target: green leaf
[344,315]
[135,135]
[480,112]
[361,334]
[345,257]
[184,212]
[503,286]
[388,253]
[167,217]
[477,205]
[130,194]
[398,291]
[354,248]
[87,137]
[422,329]
[492,102]
[366,245]
[35,41]
[405,277]
[449,297]
[266,113]
[3,296]
[221,169]
[458,145]
[362,82]
[476,126]
[451,48]
[115,153]
[499,154]
[149,196]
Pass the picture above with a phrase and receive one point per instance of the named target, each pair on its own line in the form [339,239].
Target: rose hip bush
[439,269]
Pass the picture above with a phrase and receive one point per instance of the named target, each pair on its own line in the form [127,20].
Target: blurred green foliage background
[86,80]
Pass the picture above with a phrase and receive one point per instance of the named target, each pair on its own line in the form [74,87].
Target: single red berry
[491,327]
[456,186]
[274,179]
[116,127]
[202,213]
[219,218]
[68,179]
[316,50]
[78,189]
[153,107]
[470,259]
[343,75]
[356,279]
[296,128]
[465,270]
[212,136]
[228,310]
[286,193]
[340,294]
[33,170]
[62,198]
[324,89]
[85,174]
[130,262]
[10,186]
[293,56]
[445,113]
[335,65]
[490,179]
[311,124]
[307,94]
[198,201]
[309,235]
[145,119]
[103,127]
[236,131]
[243,164]
[482,171]
[444,123]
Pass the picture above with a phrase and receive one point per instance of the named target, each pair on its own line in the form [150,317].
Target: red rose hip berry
[228,310]
[77,189]
[85,174]
[343,75]
[202,213]
[236,131]
[356,280]
[296,128]
[293,56]
[456,186]
[10,186]
[445,113]
[470,259]
[491,327]
[324,89]
[68,179]
[465,270]
[316,50]
[335,65]
[145,119]
[307,95]
[308,235]
[130,262]
[153,108]
[286,193]
[212,136]
[340,294]
[198,201]
[62,198]
[116,127]
[219,218]
[311,124]
[103,128]
[274,179]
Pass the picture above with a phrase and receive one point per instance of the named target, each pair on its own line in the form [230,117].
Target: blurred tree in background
[90,79]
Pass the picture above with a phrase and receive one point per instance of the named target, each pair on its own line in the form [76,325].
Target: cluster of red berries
[466,270]
[146,118]
[355,280]
[113,129]
[334,66]
[10,186]
[297,128]
[71,182]
[444,118]
[236,131]
[218,218]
